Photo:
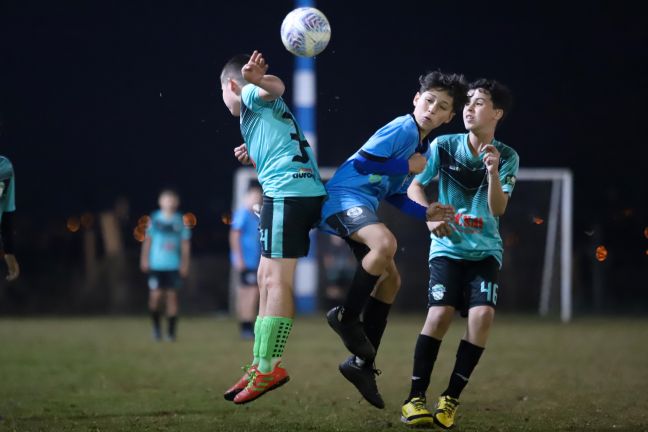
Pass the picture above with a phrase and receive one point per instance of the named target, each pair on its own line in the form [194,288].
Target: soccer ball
[305,32]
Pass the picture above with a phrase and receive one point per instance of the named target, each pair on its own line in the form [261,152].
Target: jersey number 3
[302,157]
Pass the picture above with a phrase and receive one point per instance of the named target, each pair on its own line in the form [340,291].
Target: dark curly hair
[500,94]
[454,84]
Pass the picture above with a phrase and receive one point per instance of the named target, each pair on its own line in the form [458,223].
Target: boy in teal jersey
[382,169]
[7,210]
[165,257]
[292,200]
[476,176]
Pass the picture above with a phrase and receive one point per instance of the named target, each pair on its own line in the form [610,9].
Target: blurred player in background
[476,176]
[339,267]
[166,252]
[292,200]
[382,169]
[245,252]
[7,210]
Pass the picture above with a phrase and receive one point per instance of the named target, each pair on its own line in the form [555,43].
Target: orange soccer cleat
[237,388]
[261,384]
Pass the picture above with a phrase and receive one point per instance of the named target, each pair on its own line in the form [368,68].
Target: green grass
[104,374]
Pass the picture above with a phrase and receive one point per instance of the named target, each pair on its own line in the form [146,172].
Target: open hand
[255,68]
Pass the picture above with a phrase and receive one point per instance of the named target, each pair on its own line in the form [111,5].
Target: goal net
[536,275]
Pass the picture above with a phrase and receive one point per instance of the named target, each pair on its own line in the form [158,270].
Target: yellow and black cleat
[445,412]
[416,414]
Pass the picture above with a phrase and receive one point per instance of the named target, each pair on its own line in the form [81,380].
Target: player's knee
[385,246]
[482,316]
[439,318]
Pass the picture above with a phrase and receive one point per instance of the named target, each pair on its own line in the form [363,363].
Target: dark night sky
[100,99]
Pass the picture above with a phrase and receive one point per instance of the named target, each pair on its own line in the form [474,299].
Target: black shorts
[286,223]
[249,277]
[347,222]
[164,279]
[463,284]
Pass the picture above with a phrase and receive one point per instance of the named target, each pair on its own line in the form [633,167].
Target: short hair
[232,69]
[454,84]
[500,94]
[170,191]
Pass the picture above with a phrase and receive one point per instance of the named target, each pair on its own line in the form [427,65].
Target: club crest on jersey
[375,178]
[303,173]
[438,291]
[354,212]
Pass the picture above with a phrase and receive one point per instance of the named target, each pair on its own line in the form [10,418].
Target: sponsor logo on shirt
[468,224]
[375,178]
[303,173]
[510,180]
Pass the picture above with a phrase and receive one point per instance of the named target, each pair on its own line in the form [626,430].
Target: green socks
[272,339]
[257,339]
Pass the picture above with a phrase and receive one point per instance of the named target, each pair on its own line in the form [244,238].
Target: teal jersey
[166,236]
[463,183]
[284,161]
[7,187]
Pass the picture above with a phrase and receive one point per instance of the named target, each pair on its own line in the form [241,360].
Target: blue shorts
[164,279]
[347,222]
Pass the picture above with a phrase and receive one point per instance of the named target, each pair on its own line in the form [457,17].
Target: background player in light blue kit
[292,200]
[165,257]
[382,169]
[476,176]
[7,210]
[245,253]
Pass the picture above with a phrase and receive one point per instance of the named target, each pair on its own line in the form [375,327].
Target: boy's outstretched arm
[254,72]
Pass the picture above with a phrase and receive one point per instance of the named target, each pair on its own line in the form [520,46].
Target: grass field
[104,374]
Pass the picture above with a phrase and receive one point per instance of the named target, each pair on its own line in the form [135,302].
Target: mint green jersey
[7,187]
[463,183]
[284,161]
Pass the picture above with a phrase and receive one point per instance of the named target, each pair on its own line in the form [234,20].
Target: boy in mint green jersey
[476,176]
[292,198]
[7,210]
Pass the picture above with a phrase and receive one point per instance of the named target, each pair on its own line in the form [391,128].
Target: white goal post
[559,214]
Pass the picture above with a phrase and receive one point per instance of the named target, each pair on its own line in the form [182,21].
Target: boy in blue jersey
[476,176]
[245,252]
[292,200]
[165,257]
[7,210]
[382,169]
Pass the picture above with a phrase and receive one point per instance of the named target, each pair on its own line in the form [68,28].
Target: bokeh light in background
[646,232]
[73,224]
[538,220]
[601,253]
[139,233]
[226,218]
[189,219]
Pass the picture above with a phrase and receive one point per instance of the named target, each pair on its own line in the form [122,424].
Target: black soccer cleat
[364,379]
[352,334]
